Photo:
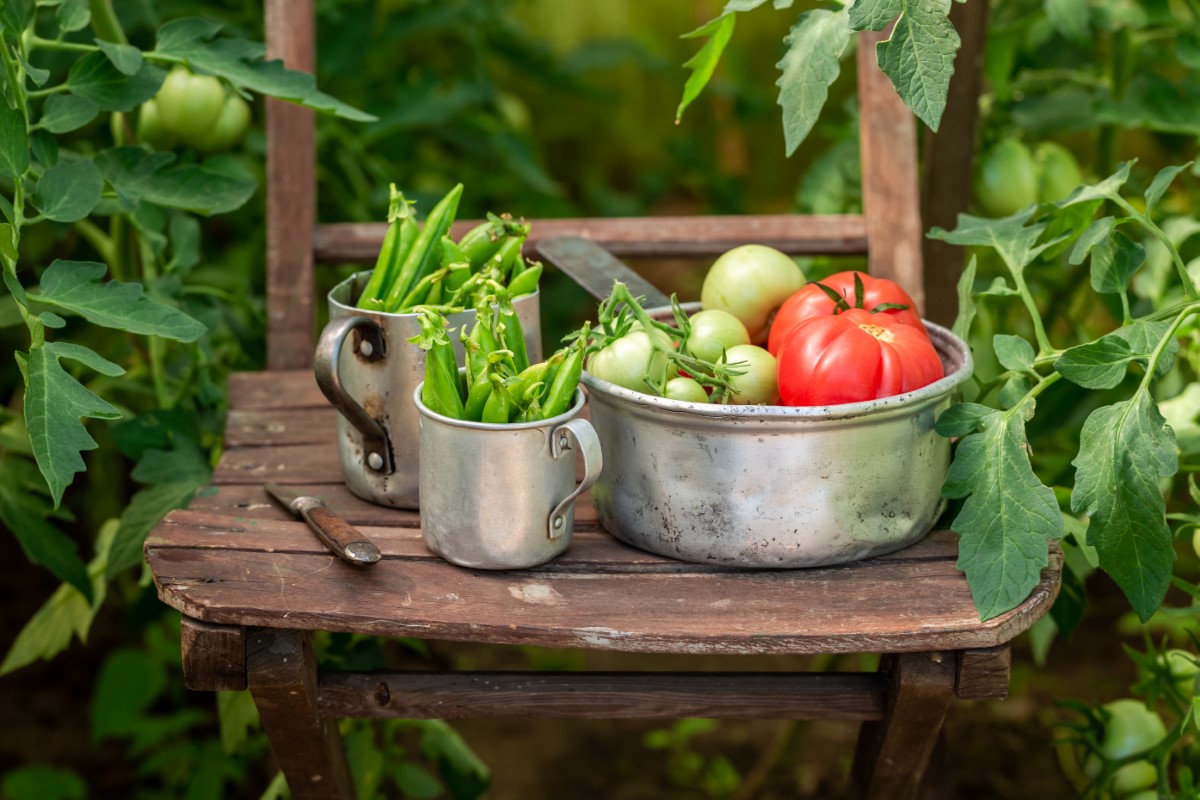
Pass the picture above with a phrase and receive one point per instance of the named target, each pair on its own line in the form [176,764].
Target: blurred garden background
[545,108]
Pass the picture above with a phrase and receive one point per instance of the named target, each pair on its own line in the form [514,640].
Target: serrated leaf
[1143,336]
[1114,263]
[1106,189]
[25,514]
[54,405]
[962,419]
[1008,516]
[815,46]
[73,15]
[1124,449]
[1013,352]
[69,190]
[94,78]
[1158,187]
[918,57]
[240,62]
[75,286]
[36,74]
[64,113]
[1096,365]
[125,57]
[137,174]
[14,142]
[705,61]
[1095,234]
[966,301]
[998,288]
[1014,241]
[1071,18]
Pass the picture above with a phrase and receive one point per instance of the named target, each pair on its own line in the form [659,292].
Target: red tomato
[811,302]
[854,356]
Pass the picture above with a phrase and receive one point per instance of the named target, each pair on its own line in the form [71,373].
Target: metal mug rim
[570,413]
[364,311]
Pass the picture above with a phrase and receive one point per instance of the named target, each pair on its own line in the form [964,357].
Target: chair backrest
[888,231]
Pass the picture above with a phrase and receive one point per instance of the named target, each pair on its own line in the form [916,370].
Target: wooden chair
[253,584]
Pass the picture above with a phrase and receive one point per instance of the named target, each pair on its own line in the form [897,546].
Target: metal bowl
[774,486]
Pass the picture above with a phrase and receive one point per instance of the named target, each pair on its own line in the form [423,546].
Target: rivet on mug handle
[377,450]
[572,434]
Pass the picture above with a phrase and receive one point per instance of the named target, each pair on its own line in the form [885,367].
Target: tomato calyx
[840,303]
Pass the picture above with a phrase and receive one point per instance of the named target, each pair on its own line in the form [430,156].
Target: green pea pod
[440,393]
[436,291]
[401,234]
[530,404]
[499,405]
[477,397]
[507,255]
[533,375]
[526,282]
[426,250]
[481,242]
[565,382]
[420,294]
[509,333]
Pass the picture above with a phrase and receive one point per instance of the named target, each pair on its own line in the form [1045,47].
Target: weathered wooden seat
[253,584]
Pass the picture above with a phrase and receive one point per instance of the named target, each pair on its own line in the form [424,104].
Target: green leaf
[238,715]
[1187,50]
[73,15]
[45,148]
[37,75]
[67,612]
[1107,189]
[966,301]
[14,142]
[962,418]
[918,57]
[1113,264]
[815,46]
[1096,365]
[125,57]
[15,16]
[240,62]
[145,510]
[75,286]
[1013,352]
[998,288]
[184,464]
[1124,449]
[415,781]
[54,404]
[1071,18]
[94,78]
[43,782]
[1015,242]
[464,772]
[704,62]
[69,190]
[1008,516]
[64,113]
[1096,233]
[137,174]
[128,683]
[7,248]
[1143,336]
[1158,187]
[25,515]
[185,242]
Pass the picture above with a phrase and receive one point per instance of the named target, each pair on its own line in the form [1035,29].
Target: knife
[338,535]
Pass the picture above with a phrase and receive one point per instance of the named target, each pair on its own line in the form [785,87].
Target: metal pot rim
[945,342]
[334,302]
[570,413]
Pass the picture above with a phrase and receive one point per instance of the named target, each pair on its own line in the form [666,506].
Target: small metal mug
[369,383]
[503,496]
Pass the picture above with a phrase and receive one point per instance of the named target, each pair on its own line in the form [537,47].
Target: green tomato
[685,390]
[713,332]
[1134,777]
[1131,728]
[1058,172]
[227,131]
[624,362]
[150,129]
[1006,179]
[189,104]
[1184,670]
[751,282]
[759,384]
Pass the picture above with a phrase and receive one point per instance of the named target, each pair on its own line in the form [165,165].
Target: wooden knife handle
[343,538]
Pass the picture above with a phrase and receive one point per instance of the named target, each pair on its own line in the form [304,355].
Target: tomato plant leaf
[1013,352]
[238,714]
[1114,263]
[705,61]
[128,683]
[14,142]
[94,78]
[64,113]
[966,301]
[137,174]
[1095,234]
[73,15]
[962,418]
[918,57]
[1106,189]
[25,514]
[125,57]
[1124,449]
[1014,241]
[1096,365]
[812,63]
[1008,515]
[75,286]
[1071,18]
[37,75]
[1143,336]
[1158,187]
[69,190]
[15,15]
[54,404]
[241,63]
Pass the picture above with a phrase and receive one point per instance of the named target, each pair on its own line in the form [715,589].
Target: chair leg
[893,753]
[281,673]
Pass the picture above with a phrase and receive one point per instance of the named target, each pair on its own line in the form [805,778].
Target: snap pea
[507,255]
[456,261]
[481,242]
[440,392]
[526,282]
[401,234]
[420,294]
[426,250]
[562,389]
[499,405]
[477,397]
[509,333]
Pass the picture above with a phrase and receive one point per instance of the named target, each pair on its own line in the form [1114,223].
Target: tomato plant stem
[1039,329]
[57,44]
[1189,286]
[1161,348]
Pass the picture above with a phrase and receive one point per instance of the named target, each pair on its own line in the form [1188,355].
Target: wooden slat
[631,237]
[302,463]
[280,426]
[602,695]
[891,204]
[214,656]
[261,391]
[291,192]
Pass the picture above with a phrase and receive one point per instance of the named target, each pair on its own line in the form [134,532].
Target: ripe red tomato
[852,357]
[810,301]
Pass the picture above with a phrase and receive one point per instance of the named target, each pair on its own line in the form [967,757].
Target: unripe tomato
[231,125]
[1130,728]
[189,104]
[1183,670]
[1006,179]
[1058,172]
[714,331]
[1127,779]
[685,390]
[750,282]
[624,362]
[759,384]
[150,129]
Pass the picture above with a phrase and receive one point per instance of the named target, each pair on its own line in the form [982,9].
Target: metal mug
[503,496]
[370,381]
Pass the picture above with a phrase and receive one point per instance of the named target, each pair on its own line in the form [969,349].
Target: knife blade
[340,536]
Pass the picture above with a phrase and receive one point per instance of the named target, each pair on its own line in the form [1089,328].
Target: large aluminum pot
[772,486]
[370,381]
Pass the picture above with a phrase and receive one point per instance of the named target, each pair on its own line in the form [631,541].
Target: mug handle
[566,438]
[377,450]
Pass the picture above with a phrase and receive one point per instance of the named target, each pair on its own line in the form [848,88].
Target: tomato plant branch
[57,44]
[1189,286]
[49,90]
[1163,343]
[1039,328]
